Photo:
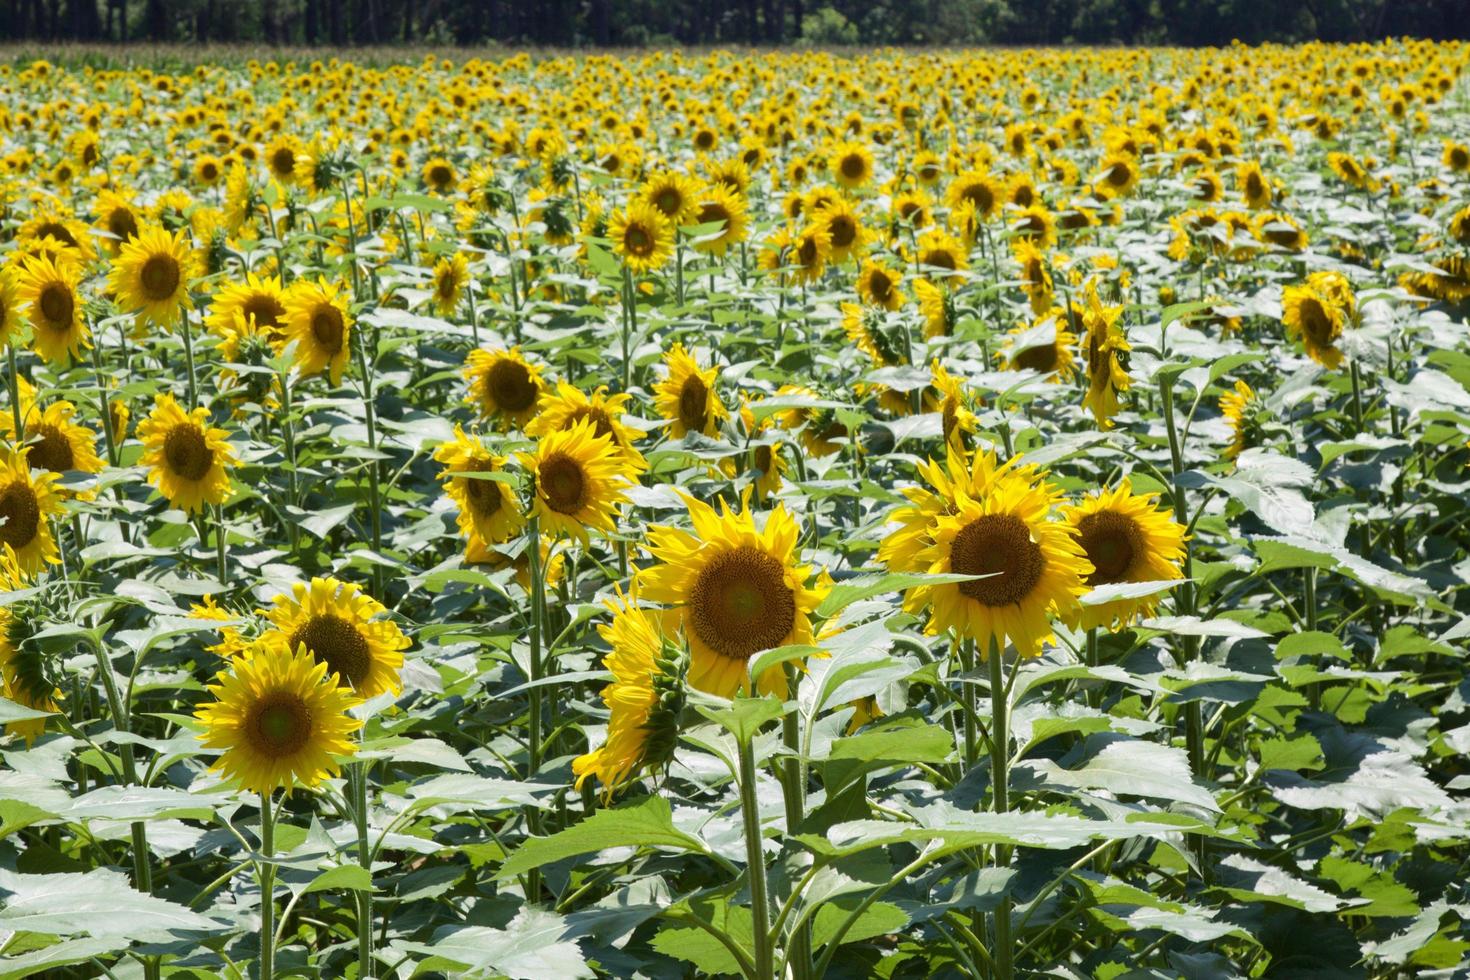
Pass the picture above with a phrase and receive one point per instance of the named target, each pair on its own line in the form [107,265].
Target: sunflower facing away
[644,700]
[580,478]
[687,397]
[1316,312]
[22,674]
[318,324]
[48,293]
[1128,538]
[279,719]
[28,500]
[151,276]
[641,236]
[488,509]
[343,630]
[1034,567]
[187,459]
[734,590]
[506,387]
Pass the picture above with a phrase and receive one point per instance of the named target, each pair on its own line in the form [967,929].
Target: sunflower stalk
[288,435]
[1000,749]
[142,871]
[374,493]
[189,360]
[793,786]
[630,325]
[265,872]
[357,776]
[755,863]
[14,382]
[533,736]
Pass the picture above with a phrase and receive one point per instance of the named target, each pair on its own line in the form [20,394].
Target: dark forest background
[571,23]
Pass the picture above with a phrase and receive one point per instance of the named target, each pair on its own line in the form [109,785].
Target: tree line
[575,23]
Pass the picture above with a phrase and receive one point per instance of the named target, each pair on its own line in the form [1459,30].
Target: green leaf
[878,919]
[1128,767]
[867,586]
[531,947]
[344,877]
[1298,753]
[97,903]
[645,823]
[744,717]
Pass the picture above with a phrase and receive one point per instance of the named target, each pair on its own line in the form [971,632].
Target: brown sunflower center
[1112,541]
[337,643]
[1024,196]
[58,231]
[264,308]
[694,404]
[806,252]
[601,423]
[52,451]
[1043,358]
[440,175]
[484,496]
[1253,186]
[510,386]
[638,241]
[1119,174]
[842,229]
[881,286]
[283,162]
[278,725]
[763,459]
[328,328]
[853,166]
[980,196]
[940,258]
[741,604]
[710,213]
[1316,322]
[58,305]
[122,224]
[159,277]
[1001,546]
[187,453]
[669,201]
[563,482]
[21,512]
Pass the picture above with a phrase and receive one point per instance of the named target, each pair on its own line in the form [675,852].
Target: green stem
[219,543]
[972,735]
[14,381]
[288,434]
[142,871]
[266,872]
[108,435]
[358,777]
[793,786]
[1357,395]
[533,740]
[1002,948]
[189,361]
[1094,696]
[755,864]
[374,501]
[630,325]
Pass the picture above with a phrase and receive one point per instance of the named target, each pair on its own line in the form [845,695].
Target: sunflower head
[28,501]
[151,275]
[187,459]
[345,631]
[579,480]
[688,397]
[641,236]
[488,509]
[506,387]
[278,719]
[319,327]
[46,287]
[1126,537]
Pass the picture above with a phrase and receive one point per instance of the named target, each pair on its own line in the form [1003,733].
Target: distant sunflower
[568,405]
[488,509]
[979,190]
[1127,537]
[1240,407]
[279,719]
[440,176]
[1117,176]
[688,397]
[259,298]
[1034,567]
[187,459]
[1051,356]
[674,195]
[1255,189]
[878,285]
[937,306]
[1035,274]
[451,276]
[809,249]
[1316,312]
[56,442]
[117,215]
[28,501]
[281,156]
[1456,156]
[958,421]
[48,293]
[942,253]
[344,630]
[845,233]
[852,164]
[719,205]
[641,237]
[10,316]
[1281,230]
[151,276]
[580,478]
[506,387]
[734,590]
[22,671]
[644,700]
[1105,349]
[318,324]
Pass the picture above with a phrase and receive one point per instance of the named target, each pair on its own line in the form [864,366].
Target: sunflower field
[902,514]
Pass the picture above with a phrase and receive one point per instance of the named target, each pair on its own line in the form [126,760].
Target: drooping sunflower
[719,205]
[1127,537]
[451,276]
[1107,375]
[937,306]
[318,324]
[259,298]
[488,509]
[151,276]
[506,387]
[568,405]
[644,700]
[1046,347]
[958,421]
[878,285]
[280,721]
[641,237]
[48,293]
[28,500]
[1035,274]
[22,670]
[187,459]
[342,629]
[580,477]
[1240,407]
[1033,565]
[1316,312]
[734,590]
[688,397]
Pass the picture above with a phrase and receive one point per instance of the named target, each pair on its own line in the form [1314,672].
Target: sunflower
[1316,312]
[568,405]
[505,385]
[187,460]
[865,329]
[451,276]
[1107,374]
[1127,537]
[344,630]
[1241,408]
[644,700]
[580,477]
[734,590]
[852,164]
[48,292]
[687,396]
[978,190]
[259,299]
[116,215]
[878,285]
[845,233]
[1035,273]
[28,500]
[719,205]
[10,317]
[208,170]
[22,672]
[1255,189]
[1035,224]
[818,429]
[675,196]
[641,236]
[62,229]
[279,720]
[1456,156]
[804,254]
[940,250]
[57,444]
[440,176]
[766,463]
[1117,176]
[1033,567]
[488,509]
[958,421]
[553,566]
[281,156]
[317,322]
[938,309]
[1350,171]
[1281,230]
[151,276]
